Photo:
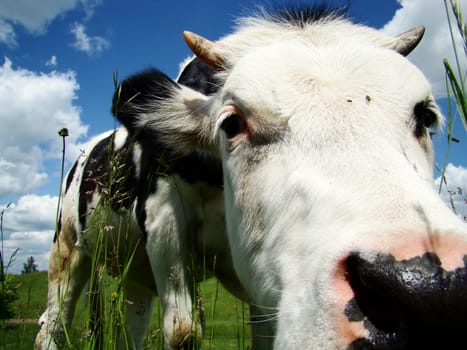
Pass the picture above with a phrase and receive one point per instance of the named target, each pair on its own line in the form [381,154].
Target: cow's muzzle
[405,304]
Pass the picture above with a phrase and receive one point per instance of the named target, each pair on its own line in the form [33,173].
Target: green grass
[456,84]
[224,316]
[32,296]
[226,326]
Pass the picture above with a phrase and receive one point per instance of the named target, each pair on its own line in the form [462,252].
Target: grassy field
[226,318]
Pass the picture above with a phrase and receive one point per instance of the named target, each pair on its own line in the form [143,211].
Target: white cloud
[52,62]
[28,225]
[35,16]
[31,213]
[89,7]
[455,189]
[436,44]
[7,33]
[34,107]
[10,182]
[92,45]
[34,243]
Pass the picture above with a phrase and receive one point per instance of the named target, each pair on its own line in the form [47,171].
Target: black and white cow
[134,194]
[320,129]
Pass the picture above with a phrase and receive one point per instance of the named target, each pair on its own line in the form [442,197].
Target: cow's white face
[335,228]
[324,141]
[327,157]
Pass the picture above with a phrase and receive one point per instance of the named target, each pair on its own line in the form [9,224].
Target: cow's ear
[137,93]
[155,108]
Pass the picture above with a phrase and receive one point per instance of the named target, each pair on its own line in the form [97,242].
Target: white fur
[121,136]
[346,174]
[137,153]
[328,164]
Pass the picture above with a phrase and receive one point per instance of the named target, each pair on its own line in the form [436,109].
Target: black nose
[408,304]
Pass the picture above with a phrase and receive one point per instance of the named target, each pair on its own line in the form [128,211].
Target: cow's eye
[233,125]
[426,117]
[233,122]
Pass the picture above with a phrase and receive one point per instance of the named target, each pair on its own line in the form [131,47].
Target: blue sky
[57,61]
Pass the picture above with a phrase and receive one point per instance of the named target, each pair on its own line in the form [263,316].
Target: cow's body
[334,227]
[129,197]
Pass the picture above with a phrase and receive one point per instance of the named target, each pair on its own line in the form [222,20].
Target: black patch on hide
[112,173]
[139,94]
[301,15]
[198,76]
[109,172]
[70,176]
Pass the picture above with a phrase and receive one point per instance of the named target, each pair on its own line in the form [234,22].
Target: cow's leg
[175,290]
[68,272]
[139,309]
[166,226]
[262,329]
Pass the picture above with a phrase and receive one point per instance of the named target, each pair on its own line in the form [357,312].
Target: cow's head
[323,130]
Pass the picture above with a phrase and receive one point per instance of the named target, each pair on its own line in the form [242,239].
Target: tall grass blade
[457,81]
[458,91]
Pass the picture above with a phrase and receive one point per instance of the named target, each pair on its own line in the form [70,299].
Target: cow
[322,131]
[137,197]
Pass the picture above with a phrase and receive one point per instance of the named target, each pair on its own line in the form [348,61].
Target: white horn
[408,40]
[204,49]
